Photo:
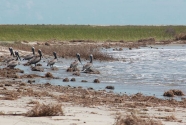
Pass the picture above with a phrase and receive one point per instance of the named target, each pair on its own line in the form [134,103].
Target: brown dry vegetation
[171,118]
[85,97]
[45,110]
[133,119]
[89,98]
[65,50]
[10,73]
[181,36]
[173,92]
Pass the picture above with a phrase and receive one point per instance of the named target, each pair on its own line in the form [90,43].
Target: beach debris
[65,80]
[73,79]
[173,92]
[76,73]
[109,87]
[83,80]
[49,75]
[37,68]
[96,81]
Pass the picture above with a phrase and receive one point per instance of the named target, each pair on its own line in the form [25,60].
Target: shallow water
[151,71]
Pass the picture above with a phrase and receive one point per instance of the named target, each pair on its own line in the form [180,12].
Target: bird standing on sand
[75,63]
[29,56]
[14,63]
[53,61]
[36,59]
[89,64]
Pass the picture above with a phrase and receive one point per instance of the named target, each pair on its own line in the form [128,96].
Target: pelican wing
[35,60]
[28,57]
[52,62]
[12,64]
[87,66]
[74,64]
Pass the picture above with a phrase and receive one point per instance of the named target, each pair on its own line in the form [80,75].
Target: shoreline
[82,106]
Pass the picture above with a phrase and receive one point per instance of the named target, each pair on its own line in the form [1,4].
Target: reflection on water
[147,70]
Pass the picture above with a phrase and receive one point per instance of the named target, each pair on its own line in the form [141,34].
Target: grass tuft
[173,92]
[45,110]
[135,120]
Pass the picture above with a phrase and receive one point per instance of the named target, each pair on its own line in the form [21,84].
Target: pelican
[14,63]
[53,61]
[11,57]
[36,59]
[29,56]
[89,64]
[75,63]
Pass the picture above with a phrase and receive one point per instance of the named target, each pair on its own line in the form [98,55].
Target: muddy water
[150,70]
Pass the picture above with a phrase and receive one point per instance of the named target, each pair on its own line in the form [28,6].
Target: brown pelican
[29,56]
[89,64]
[53,61]
[75,63]
[14,63]
[11,57]
[36,59]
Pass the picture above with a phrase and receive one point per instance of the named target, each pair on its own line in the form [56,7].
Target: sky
[93,12]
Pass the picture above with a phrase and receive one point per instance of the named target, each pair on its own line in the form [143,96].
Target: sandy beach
[80,106]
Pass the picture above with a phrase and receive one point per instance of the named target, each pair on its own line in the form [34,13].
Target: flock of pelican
[13,60]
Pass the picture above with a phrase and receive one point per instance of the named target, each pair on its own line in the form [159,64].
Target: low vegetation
[45,110]
[133,119]
[87,32]
[173,92]
[65,50]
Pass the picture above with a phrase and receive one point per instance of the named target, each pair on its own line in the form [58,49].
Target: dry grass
[33,102]
[173,92]
[45,110]
[181,36]
[2,113]
[171,118]
[65,50]
[135,120]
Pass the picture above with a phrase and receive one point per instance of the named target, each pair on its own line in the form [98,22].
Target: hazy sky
[93,12]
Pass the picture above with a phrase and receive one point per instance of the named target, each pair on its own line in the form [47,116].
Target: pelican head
[78,56]
[91,58]
[33,50]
